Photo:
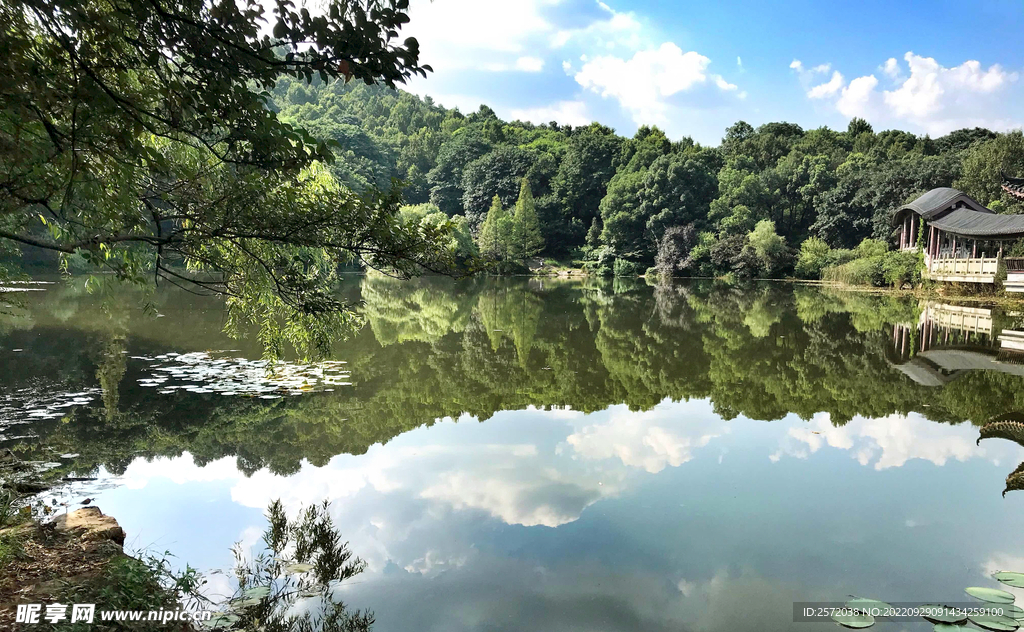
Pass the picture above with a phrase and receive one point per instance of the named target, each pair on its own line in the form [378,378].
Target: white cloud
[797,65]
[517,495]
[451,37]
[615,30]
[565,112]
[723,84]
[648,440]
[891,68]
[934,98]
[827,89]
[179,470]
[857,99]
[930,88]
[530,64]
[884,442]
[642,83]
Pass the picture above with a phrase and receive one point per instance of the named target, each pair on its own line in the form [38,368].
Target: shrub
[840,256]
[600,261]
[674,249]
[814,255]
[901,267]
[871,248]
[626,268]
[769,247]
[863,271]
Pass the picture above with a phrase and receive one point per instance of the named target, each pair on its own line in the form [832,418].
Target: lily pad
[256,592]
[222,620]
[995,622]
[937,613]
[245,603]
[855,621]
[1011,610]
[1010,578]
[947,627]
[991,595]
[298,568]
[863,603]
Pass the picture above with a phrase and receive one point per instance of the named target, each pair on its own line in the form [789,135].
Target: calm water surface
[527,455]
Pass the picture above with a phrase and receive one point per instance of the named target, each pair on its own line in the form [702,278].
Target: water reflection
[951,340]
[512,454]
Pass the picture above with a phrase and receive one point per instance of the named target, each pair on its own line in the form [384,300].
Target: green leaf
[995,622]
[863,603]
[938,613]
[947,627]
[257,592]
[991,595]
[222,620]
[855,621]
[1010,578]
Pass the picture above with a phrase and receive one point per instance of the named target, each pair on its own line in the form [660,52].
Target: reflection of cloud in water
[518,594]
[1002,562]
[433,563]
[509,482]
[179,470]
[529,497]
[214,372]
[664,436]
[887,442]
[431,504]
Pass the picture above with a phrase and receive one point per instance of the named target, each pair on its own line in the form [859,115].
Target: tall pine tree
[493,240]
[526,238]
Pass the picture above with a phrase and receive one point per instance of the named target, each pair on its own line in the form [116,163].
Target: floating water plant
[854,621]
[991,595]
[216,372]
[996,622]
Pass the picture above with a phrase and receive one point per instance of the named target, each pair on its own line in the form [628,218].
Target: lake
[544,454]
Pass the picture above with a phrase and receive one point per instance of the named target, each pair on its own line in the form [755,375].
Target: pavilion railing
[1014,264]
[967,265]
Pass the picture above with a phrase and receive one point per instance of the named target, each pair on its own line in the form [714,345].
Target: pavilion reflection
[950,340]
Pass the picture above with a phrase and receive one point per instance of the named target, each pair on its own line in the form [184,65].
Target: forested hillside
[617,204]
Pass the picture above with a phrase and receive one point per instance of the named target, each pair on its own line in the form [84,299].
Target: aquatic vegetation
[218,372]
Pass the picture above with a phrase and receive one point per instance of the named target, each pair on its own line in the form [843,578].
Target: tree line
[433,348]
[618,205]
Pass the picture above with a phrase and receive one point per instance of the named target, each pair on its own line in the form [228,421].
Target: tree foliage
[137,135]
[526,240]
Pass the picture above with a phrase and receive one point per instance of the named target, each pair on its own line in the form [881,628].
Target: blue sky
[696,68]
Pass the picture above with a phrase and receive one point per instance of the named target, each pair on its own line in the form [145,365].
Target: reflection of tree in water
[110,370]
[489,345]
[1007,426]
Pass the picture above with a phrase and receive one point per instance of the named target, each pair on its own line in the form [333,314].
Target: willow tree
[136,134]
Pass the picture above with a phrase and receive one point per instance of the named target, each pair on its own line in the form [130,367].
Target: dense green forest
[435,348]
[619,205]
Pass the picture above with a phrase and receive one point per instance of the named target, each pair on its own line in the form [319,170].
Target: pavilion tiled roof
[970,223]
[1014,186]
[938,201]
